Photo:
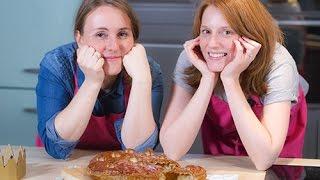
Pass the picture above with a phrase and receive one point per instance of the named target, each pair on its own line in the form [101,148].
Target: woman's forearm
[177,138]
[72,121]
[254,136]
[138,122]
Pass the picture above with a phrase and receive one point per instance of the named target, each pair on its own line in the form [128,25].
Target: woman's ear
[78,38]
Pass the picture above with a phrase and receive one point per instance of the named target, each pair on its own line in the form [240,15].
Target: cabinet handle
[30,110]
[31,70]
[315,107]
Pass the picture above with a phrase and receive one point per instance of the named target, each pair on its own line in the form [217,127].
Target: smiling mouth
[217,55]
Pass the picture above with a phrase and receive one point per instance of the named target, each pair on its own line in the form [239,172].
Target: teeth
[217,55]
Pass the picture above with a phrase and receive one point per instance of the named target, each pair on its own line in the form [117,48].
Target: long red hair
[247,18]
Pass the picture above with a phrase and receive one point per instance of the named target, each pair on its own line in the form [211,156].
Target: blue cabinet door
[29,29]
[18,119]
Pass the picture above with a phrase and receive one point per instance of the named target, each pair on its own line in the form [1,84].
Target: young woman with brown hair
[100,92]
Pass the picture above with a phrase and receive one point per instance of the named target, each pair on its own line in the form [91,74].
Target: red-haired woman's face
[108,30]
[216,39]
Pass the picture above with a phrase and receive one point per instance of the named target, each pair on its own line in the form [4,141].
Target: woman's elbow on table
[263,164]
[173,155]
[58,153]
[266,159]
[169,149]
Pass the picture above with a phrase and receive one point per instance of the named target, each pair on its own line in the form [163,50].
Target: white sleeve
[283,79]
[179,77]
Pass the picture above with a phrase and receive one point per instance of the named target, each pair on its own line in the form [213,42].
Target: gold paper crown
[11,167]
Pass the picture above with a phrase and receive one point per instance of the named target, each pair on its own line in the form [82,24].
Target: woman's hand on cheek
[245,52]
[194,56]
[91,63]
[137,65]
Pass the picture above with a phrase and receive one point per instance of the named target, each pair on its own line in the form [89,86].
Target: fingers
[136,49]
[248,49]
[99,64]
[136,63]
[195,55]
[247,45]
[80,54]
[191,43]
[90,60]
[254,43]
[252,47]
[88,57]
[97,54]
[137,56]
[189,47]
[138,45]
[239,49]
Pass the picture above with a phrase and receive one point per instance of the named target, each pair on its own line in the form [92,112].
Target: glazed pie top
[144,165]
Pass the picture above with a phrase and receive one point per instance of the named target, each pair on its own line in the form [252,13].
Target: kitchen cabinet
[28,30]
[165,23]
[312,136]
[18,121]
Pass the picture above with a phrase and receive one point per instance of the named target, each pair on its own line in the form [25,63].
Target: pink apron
[100,132]
[220,137]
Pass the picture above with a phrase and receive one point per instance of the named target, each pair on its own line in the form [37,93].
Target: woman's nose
[112,44]
[214,41]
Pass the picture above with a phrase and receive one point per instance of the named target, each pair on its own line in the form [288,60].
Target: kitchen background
[31,28]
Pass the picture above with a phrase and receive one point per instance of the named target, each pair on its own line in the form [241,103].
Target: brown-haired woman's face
[108,30]
[216,39]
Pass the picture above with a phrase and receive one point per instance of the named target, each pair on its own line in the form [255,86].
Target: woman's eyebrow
[125,28]
[103,28]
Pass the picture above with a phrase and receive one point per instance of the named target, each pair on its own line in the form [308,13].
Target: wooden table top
[42,166]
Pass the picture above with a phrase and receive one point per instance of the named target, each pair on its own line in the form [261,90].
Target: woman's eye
[101,35]
[227,32]
[205,31]
[123,34]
